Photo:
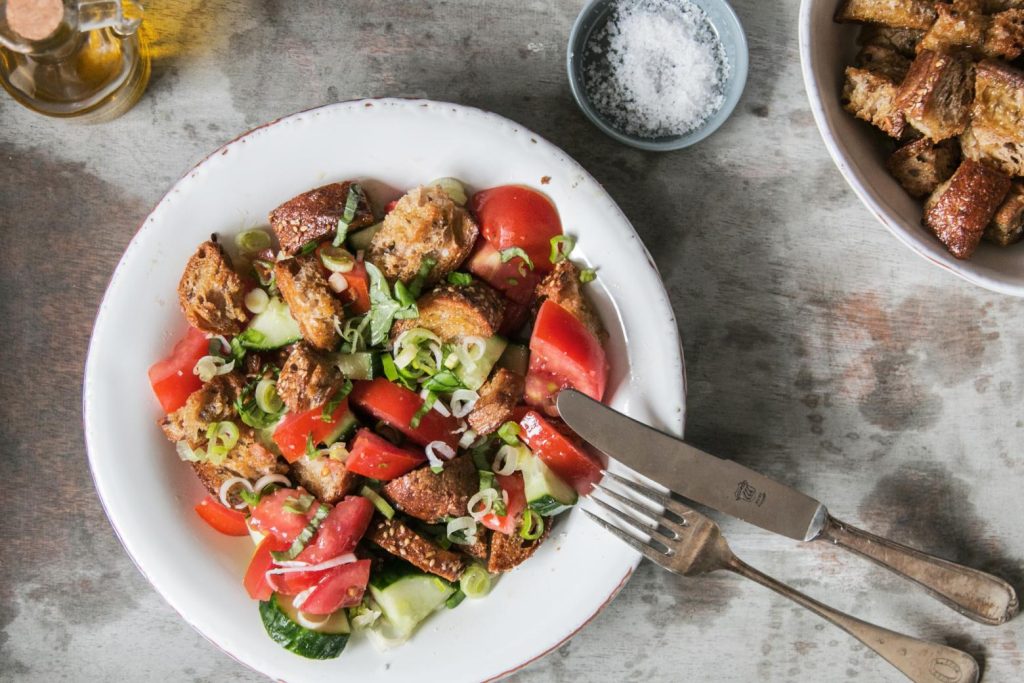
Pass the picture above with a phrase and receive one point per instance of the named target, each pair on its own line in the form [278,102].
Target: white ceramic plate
[826,48]
[148,493]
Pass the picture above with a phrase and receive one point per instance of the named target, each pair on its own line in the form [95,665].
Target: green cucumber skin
[545,492]
[298,639]
[366,366]
[277,326]
[346,427]
[494,348]
[360,240]
[547,506]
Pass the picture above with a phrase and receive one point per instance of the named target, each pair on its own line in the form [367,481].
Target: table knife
[740,492]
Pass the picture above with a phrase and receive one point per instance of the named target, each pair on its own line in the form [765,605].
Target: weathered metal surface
[819,350]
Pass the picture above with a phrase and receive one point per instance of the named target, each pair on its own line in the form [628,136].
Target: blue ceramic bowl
[730,32]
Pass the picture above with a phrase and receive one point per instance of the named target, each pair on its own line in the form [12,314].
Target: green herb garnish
[509,433]
[298,506]
[588,275]
[384,309]
[355,194]
[460,279]
[512,252]
[327,414]
[561,247]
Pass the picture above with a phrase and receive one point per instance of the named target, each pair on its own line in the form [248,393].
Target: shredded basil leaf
[416,286]
[303,539]
[588,275]
[311,451]
[561,247]
[384,309]
[460,279]
[404,296]
[251,498]
[428,403]
[355,195]
[443,382]
[512,252]
[298,506]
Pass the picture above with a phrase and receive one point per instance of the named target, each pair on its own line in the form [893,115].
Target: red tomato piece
[390,206]
[297,429]
[512,485]
[375,457]
[341,586]
[340,531]
[255,580]
[516,216]
[271,517]
[225,520]
[563,353]
[395,405]
[512,278]
[566,459]
[172,378]
[358,292]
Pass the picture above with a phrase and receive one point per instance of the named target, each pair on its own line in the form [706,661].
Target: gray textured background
[819,350]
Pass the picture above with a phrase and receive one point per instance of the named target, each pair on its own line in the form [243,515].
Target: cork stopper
[34,19]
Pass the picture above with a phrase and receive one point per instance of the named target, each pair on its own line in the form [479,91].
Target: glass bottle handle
[97,14]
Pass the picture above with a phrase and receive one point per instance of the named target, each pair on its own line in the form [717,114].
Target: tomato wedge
[517,216]
[340,531]
[341,586]
[565,458]
[172,378]
[297,430]
[255,580]
[375,457]
[512,278]
[395,405]
[563,353]
[271,517]
[225,520]
[508,523]
[358,291]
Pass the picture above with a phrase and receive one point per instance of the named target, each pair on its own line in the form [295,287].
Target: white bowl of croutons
[921,106]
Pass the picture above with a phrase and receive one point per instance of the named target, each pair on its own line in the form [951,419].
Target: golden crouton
[315,214]
[883,60]
[998,109]
[213,402]
[902,40]
[327,479]
[994,150]
[317,311]
[1005,36]
[425,224]
[921,165]
[964,25]
[308,379]
[1007,225]
[211,294]
[480,547]
[870,96]
[917,14]
[960,208]
[498,398]
[936,95]
[433,497]
[452,312]
[508,551]
[398,539]
[249,459]
[562,285]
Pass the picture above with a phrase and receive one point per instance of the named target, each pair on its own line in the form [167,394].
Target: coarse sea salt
[656,68]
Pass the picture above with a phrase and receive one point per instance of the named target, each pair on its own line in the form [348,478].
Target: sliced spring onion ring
[209,367]
[463,401]
[222,437]
[225,491]
[487,497]
[509,433]
[268,479]
[475,582]
[435,448]
[303,539]
[533,525]
[225,346]
[468,437]
[506,460]
[305,620]
[561,247]
[462,530]
[256,300]
[266,396]
[474,347]
[291,568]
[252,241]
[382,505]
[337,282]
[336,259]
[185,452]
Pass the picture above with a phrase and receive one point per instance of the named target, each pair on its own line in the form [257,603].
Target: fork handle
[970,592]
[920,660]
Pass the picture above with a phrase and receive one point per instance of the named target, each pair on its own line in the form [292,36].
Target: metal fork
[684,541]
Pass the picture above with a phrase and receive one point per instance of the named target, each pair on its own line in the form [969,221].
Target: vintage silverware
[686,542]
[738,491]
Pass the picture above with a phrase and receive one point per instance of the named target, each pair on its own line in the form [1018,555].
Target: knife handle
[974,594]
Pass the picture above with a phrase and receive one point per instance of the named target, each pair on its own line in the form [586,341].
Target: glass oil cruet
[82,59]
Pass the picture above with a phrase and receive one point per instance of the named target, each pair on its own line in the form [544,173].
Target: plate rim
[90,372]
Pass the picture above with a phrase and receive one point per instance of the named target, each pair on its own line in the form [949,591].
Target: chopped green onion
[336,259]
[416,286]
[222,437]
[486,479]
[266,396]
[561,247]
[355,194]
[460,279]
[311,452]
[512,252]
[298,506]
[533,525]
[588,275]
[252,241]
[428,403]
[250,338]
[237,350]
[455,600]
[378,502]
[475,582]
[303,539]
[251,498]
[498,507]
[509,433]
[327,414]
[308,247]
[404,296]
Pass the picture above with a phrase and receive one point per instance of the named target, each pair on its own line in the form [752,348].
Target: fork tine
[665,500]
[643,525]
[653,522]
[651,553]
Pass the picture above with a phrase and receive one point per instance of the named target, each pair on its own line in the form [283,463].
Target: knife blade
[720,484]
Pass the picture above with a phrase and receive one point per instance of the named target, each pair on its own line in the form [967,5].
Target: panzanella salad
[372,401]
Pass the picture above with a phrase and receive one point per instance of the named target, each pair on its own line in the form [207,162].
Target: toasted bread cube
[921,165]
[249,459]
[509,551]
[317,311]
[308,379]
[983,145]
[563,286]
[902,40]
[998,109]
[498,398]
[960,24]
[1007,226]
[213,402]
[883,60]
[455,311]
[211,293]
[326,478]
[1005,36]
[398,539]
[480,548]
[871,97]
[917,14]
[425,224]
[936,95]
[1002,5]
[960,208]
[315,214]
[433,497]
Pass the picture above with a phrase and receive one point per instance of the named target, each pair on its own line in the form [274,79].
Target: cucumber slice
[407,596]
[346,425]
[303,641]
[336,624]
[360,241]
[546,494]
[474,378]
[360,365]
[516,358]
[271,329]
